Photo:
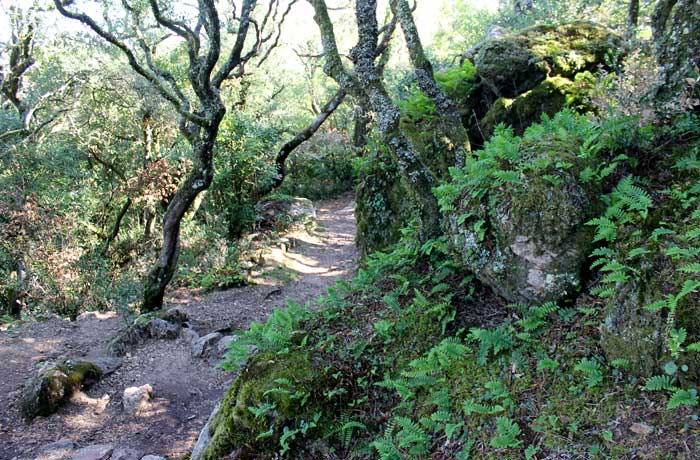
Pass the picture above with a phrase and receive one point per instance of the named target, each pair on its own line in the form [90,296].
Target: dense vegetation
[528,206]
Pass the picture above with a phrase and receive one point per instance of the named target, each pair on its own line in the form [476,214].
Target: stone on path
[137,399]
[642,429]
[204,344]
[161,329]
[59,450]
[126,453]
[95,452]
[189,335]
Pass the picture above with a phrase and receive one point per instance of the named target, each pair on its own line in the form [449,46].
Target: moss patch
[51,389]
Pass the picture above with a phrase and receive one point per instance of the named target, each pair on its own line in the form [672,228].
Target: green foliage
[507,434]
[322,167]
[277,334]
[243,160]
[456,82]
[510,160]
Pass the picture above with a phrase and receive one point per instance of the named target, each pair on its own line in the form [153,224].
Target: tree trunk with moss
[676,28]
[365,84]
[452,139]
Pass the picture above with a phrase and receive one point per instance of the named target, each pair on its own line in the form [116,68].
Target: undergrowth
[418,360]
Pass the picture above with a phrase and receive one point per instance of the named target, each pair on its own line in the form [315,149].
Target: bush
[321,167]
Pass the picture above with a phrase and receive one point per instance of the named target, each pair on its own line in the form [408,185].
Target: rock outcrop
[55,384]
[513,64]
[525,237]
[287,386]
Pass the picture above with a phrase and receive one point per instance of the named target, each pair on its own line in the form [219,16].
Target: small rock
[222,346]
[126,453]
[642,429]
[202,346]
[161,329]
[189,335]
[137,399]
[59,450]
[86,316]
[107,364]
[96,452]
[176,315]
[153,457]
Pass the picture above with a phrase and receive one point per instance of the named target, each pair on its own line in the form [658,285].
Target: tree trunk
[303,136]
[451,136]
[117,225]
[361,125]
[676,28]
[16,293]
[632,18]
[198,181]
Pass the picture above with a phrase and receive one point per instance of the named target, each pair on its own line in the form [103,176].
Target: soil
[186,388]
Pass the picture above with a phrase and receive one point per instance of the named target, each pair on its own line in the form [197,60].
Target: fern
[659,383]
[507,434]
[471,407]
[683,398]
[592,370]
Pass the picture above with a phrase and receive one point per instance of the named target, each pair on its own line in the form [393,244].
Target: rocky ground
[103,422]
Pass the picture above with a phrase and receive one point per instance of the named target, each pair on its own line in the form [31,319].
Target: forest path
[185,388]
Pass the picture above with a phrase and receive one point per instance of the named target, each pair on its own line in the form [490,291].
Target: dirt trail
[185,388]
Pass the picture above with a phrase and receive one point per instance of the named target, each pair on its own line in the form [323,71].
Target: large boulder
[513,64]
[631,332]
[549,97]
[525,236]
[634,331]
[284,388]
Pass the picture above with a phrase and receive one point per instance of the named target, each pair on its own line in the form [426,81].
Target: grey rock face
[203,345]
[204,435]
[96,452]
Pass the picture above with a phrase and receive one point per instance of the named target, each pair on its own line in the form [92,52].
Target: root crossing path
[185,387]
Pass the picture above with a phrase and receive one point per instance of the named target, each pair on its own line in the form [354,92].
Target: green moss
[47,392]
[517,63]
[237,427]
[549,97]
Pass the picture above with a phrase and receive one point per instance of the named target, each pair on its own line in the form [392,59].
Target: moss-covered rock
[52,388]
[516,63]
[549,97]
[525,235]
[289,387]
[631,332]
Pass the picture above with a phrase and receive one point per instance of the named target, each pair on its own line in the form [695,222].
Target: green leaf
[683,398]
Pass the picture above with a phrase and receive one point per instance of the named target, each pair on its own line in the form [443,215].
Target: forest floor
[185,388]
